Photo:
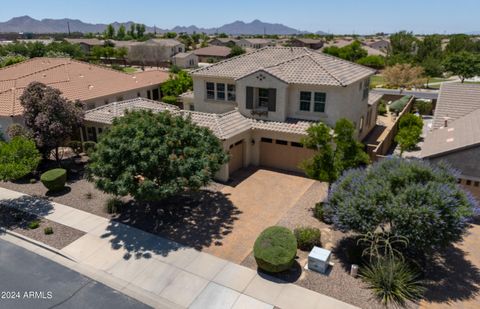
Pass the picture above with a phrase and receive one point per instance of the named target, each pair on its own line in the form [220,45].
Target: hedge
[275,249]
[55,179]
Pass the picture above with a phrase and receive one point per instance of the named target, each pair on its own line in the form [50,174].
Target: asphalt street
[28,280]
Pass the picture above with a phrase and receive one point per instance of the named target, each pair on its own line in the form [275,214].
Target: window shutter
[249,103]
[272,100]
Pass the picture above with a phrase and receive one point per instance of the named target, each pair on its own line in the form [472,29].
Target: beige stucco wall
[341,102]
[126,95]
[191,61]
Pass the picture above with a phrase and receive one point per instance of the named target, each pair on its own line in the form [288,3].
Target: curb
[36,243]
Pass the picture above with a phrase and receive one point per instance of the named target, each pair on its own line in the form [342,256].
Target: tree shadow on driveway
[191,220]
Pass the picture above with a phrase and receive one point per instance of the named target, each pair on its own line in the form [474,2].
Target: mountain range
[29,24]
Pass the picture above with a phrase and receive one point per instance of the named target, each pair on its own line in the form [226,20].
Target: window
[105,102]
[149,94]
[221,92]
[266,140]
[476,183]
[231,92]
[361,124]
[366,89]
[138,94]
[319,102]
[295,144]
[469,183]
[211,91]
[263,97]
[305,98]
[192,107]
[281,142]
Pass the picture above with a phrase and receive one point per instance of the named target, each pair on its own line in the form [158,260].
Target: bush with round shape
[307,237]
[76,147]
[55,179]
[34,224]
[48,230]
[392,281]
[275,249]
[18,158]
[409,198]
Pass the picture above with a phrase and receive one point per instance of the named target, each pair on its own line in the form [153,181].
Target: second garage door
[282,154]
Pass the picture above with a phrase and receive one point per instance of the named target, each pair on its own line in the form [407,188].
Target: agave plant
[382,245]
[392,282]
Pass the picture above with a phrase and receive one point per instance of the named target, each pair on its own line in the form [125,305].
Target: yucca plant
[392,281]
[382,245]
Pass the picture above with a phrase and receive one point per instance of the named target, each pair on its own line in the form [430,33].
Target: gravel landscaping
[18,221]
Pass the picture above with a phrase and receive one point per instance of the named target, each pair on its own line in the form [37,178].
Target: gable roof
[164,42]
[308,40]
[455,100]
[216,51]
[90,42]
[296,65]
[459,134]
[75,79]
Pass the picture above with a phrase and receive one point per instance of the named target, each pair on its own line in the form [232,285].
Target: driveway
[261,197]
[48,284]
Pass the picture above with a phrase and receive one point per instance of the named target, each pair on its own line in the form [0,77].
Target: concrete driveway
[262,198]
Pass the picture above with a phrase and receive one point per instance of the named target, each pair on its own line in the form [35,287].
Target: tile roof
[183,55]
[75,79]
[106,113]
[216,51]
[455,100]
[164,42]
[374,97]
[257,41]
[308,40]
[224,125]
[462,133]
[91,42]
[296,65]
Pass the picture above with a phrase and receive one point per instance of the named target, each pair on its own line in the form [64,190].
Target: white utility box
[319,259]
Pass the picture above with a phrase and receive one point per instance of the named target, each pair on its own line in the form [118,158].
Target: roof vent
[449,140]
[90,86]
[81,76]
[44,75]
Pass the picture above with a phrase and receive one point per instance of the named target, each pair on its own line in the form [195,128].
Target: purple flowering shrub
[410,198]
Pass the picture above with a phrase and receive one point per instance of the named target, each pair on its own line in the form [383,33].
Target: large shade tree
[18,157]
[51,118]
[408,198]
[152,156]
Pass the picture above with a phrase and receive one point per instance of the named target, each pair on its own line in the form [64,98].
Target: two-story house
[282,90]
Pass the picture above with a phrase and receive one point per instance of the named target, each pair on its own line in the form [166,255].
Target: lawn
[129,70]
[376,80]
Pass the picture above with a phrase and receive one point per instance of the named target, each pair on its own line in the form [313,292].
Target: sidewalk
[152,267]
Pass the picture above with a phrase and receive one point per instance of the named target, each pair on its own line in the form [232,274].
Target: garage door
[236,156]
[281,154]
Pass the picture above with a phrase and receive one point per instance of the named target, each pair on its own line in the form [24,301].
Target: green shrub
[399,104]
[76,147]
[113,205]
[424,107]
[410,120]
[392,281]
[275,249]
[48,230]
[18,158]
[89,147]
[318,211]
[307,237]
[18,130]
[170,99]
[33,224]
[382,108]
[55,179]
[33,180]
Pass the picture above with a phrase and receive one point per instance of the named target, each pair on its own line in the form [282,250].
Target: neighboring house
[92,84]
[43,41]
[344,42]
[281,91]
[86,44]
[154,52]
[255,43]
[248,142]
[185,60]
[211,54]
[228,42]
[383,45]
[306,42]
[455,135]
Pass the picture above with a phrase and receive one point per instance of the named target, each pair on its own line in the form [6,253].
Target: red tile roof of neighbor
[75,79]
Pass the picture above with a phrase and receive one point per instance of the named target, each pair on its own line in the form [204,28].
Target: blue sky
[337,16]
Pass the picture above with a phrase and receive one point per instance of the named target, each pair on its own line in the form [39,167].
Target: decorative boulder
[275,249]
[55,179]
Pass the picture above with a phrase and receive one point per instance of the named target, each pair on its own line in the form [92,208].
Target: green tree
[110,32]
[121,33]
[131,32]
[170,35]
[236,51]
[373,61]
[409,130]
[18,158]
[352,52]
[177,84]
[429,47]
[464,64]
[407,198]
[335,151]
[140,30]
[51,118]
[402,47]
[152,156]
[459,43]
